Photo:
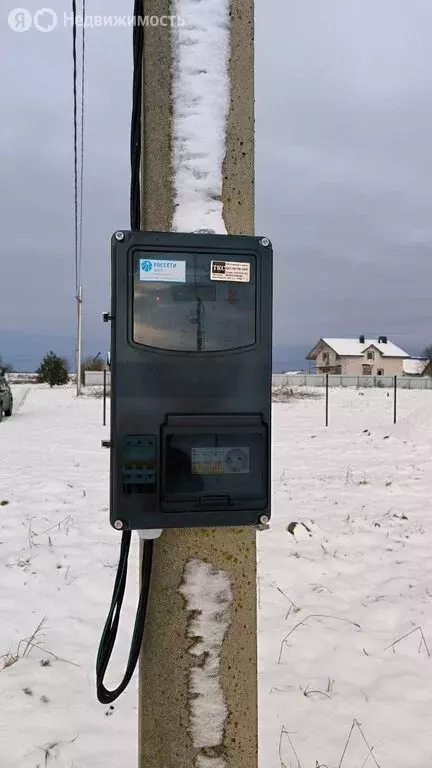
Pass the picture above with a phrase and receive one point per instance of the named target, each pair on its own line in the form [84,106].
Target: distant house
[417,367]
[358,357]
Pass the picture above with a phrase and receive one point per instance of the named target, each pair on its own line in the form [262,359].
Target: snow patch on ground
[208,595]
[201,102]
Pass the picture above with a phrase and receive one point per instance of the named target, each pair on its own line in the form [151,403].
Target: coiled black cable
[110,630]
[109,633]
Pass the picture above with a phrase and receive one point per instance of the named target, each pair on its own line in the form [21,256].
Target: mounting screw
[264,241]
[119,236]
[118,524]
[264,520]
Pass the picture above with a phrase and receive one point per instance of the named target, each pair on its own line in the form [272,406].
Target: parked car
[6,398]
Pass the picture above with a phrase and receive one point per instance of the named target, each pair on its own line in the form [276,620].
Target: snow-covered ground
[58,556]
[334,600]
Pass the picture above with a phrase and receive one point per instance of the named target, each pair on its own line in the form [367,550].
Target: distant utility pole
[79,300]
[166,697]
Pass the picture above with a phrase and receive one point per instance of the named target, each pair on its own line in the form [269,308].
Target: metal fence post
[327,401]
[104,396]
[395,401]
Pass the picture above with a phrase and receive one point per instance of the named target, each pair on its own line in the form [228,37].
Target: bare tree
[427,352]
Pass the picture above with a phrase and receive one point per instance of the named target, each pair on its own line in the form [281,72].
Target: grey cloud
[36,183]
[344,118]
[344,168]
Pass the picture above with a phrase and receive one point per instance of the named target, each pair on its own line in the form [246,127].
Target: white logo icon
[20,20]
[45,20]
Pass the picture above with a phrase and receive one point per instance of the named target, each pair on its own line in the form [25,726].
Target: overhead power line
[78,174]
[78,134]
[135,135]
[81,192]
[75,125]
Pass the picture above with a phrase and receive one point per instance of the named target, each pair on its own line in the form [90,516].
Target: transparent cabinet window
[185,310]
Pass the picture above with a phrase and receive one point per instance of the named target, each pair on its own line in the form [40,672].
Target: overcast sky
[343,157]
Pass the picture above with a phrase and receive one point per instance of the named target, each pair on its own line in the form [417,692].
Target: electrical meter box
[191,365]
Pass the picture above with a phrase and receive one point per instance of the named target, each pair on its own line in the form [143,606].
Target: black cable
[135,135]
[109,633]
[110,630]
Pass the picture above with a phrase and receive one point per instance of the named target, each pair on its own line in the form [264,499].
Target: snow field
[362,573]
[334,596]
[58,556]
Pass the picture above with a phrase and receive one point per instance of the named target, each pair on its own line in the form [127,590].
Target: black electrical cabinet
[191,355]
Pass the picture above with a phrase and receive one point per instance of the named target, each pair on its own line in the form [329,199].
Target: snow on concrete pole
[198,670]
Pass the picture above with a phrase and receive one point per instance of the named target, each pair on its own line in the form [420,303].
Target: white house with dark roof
[358,357]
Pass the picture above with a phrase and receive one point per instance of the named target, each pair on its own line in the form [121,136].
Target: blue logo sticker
[162,270]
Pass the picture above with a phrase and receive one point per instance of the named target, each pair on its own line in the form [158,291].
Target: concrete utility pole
[166,700]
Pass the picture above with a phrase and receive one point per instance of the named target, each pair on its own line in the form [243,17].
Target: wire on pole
[78,178]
